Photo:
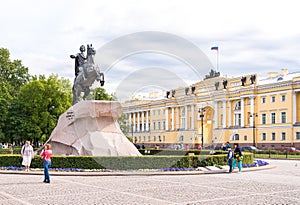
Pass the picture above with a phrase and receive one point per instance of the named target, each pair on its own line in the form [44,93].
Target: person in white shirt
[27,155]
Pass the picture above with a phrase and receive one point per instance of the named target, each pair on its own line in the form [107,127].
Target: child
[229,157]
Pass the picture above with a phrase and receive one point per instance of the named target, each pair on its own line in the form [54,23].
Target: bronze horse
[87,76]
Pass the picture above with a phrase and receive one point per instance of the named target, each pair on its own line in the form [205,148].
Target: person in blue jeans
[46,156]
[238,157]
[229,157]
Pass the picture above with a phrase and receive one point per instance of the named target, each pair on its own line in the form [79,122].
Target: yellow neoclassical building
[248,109]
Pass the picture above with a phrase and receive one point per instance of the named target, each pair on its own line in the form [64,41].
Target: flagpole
[218,60]
[216,48]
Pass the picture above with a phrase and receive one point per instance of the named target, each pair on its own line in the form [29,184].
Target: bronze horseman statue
[86,72]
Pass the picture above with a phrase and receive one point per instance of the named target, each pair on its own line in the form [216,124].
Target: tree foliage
[35,111]
[13,75]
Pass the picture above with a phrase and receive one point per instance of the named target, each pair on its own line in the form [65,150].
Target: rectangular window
[153,112]
[154,126]
[273,118]
[263,118]
[245,138]
[283,117]
[273,99]
[164,125]
[159,125]
[273,136]
[149,138]
[237,121]
[158,112]
[263,137]
[263,100]
[297,135]
[283,98]
[283,136]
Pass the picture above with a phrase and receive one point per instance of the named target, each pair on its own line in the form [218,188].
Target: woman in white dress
[27,155]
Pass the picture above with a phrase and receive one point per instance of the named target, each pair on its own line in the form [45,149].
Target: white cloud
[252,35]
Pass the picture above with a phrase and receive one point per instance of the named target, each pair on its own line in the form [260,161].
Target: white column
[143,121]
[147,120]
[224,113]
[252,111]
[167,118]
[173,118]
[216,114]
[186,117]
[138,121]
[134,122]
[229,114]
[129,120]
[177,118]
[294,107]
[242,113]
[193,117]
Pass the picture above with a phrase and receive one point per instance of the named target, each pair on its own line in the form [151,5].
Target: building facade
[249,110]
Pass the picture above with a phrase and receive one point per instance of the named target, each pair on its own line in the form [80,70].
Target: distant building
[250,110]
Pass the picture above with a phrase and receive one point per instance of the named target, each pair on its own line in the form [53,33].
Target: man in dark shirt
[80,59]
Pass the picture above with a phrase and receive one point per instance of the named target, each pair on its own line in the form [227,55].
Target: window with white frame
[273,118]
[237,119]
[283,117]
[263,136]
[154,126]
[154,138]
[283,136]
[273,136]
[149,139]
[263,100]
[297,135]
[263,118]
[282,98]
[158,124]
[273,99]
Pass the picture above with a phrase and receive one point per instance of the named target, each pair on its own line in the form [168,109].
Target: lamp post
[201,112]
[253,128]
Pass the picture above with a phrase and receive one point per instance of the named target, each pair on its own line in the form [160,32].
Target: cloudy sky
[252,36]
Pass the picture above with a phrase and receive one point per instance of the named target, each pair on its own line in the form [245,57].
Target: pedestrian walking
[27,155]
[229,157]
[46,156]
[238,157]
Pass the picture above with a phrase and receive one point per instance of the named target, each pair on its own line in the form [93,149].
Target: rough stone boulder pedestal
[91,128]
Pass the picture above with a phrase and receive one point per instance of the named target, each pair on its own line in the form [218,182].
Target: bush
[125,163]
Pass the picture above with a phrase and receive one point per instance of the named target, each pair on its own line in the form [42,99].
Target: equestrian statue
[86,72]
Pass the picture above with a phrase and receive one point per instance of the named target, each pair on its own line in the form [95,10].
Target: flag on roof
[216,48]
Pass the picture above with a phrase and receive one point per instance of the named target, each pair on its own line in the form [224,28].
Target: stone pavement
[280,185]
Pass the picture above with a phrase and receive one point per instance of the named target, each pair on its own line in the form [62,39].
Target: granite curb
[136,173]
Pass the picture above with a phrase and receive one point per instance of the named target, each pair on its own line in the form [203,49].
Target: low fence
[273,154]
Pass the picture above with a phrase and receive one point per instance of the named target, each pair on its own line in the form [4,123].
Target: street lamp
[253,128]
[201,112]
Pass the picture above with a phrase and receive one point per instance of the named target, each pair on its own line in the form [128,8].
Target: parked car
[290,149]
[249,149]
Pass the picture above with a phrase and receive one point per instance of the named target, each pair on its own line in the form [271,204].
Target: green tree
[35,111]
[13,75]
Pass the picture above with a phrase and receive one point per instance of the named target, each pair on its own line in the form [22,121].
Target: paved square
[280,185]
